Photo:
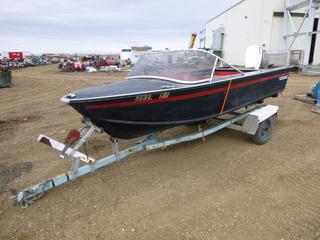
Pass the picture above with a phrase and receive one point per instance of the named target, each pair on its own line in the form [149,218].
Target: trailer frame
[248,121]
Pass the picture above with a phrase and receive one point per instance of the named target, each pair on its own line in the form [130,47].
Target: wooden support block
[305,98]
[315,109]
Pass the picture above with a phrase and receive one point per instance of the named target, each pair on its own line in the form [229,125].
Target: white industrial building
[276,25]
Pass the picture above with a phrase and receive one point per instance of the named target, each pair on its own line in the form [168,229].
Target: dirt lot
[223,188]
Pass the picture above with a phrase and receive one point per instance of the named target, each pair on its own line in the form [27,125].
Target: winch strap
[225,97]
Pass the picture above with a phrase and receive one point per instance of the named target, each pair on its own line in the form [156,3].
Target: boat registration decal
[164,95]
[147,98]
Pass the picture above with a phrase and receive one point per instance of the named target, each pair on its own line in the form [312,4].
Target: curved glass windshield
[184,65]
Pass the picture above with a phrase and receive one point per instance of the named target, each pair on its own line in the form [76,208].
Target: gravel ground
[223,188]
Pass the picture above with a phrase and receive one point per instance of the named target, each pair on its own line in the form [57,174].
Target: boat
[172,88]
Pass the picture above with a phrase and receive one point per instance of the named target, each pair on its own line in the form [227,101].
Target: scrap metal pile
[93,64]
[24,62]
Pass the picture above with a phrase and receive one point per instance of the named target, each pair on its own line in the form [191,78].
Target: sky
[102,26]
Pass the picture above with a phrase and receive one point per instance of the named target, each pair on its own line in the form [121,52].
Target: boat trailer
[256,121]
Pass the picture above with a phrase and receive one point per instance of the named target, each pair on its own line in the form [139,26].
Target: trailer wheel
[263,133]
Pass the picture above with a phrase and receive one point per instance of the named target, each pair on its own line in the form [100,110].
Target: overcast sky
[102,26]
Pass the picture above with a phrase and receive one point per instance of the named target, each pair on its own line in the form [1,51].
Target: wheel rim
[265,128]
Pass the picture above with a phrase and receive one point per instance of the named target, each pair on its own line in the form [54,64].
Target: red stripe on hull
[185,96]
[225,73]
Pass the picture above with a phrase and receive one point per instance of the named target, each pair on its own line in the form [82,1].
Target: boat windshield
[182,65]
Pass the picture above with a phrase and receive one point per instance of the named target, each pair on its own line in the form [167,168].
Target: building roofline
[234,5]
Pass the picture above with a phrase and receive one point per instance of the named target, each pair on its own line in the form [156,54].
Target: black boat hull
[136,115]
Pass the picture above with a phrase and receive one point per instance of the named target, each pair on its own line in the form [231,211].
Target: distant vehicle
[125,54]
[107,62]
[91,69]
[112,68]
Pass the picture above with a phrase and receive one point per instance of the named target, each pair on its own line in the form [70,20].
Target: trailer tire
[264,132]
